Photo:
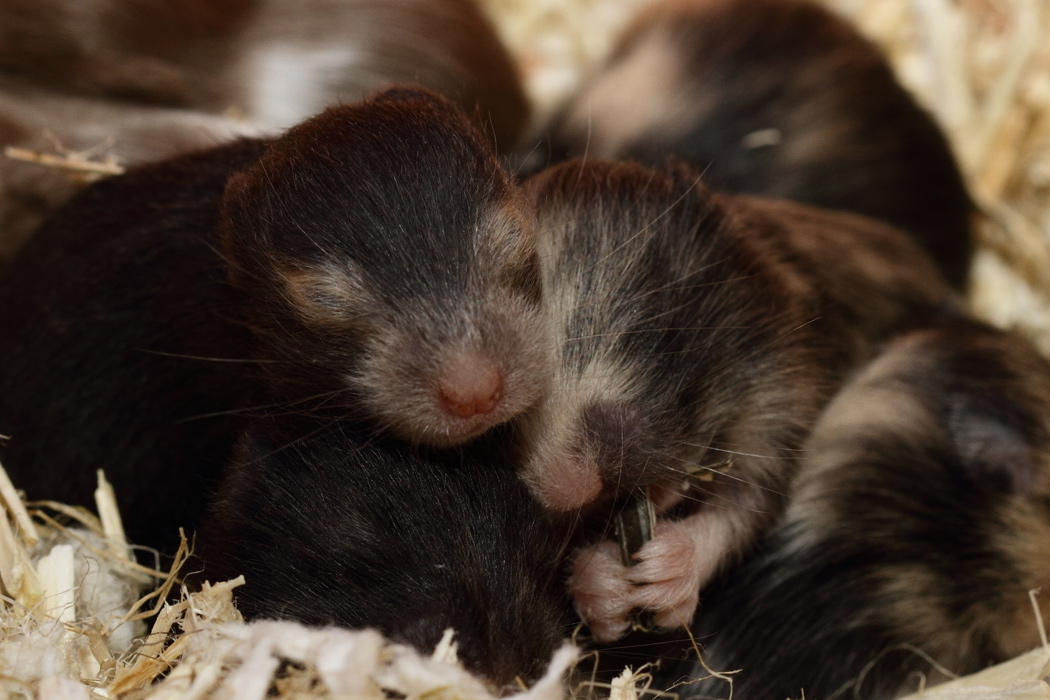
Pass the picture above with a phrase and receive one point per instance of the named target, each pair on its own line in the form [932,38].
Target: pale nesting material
[69,601]
[224,658]
[1023,678]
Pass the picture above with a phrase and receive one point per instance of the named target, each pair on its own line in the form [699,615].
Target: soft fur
[276,62]
[331,526]
[159,305]
[779,98]
[919,521]
[699,336]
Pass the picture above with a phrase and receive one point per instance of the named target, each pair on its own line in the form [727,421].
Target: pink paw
[668,575]
[667,578]
[600,588]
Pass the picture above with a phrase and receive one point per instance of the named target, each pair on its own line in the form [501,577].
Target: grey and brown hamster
[329,525]
[695,329]
[125,133]
[374,261]
[917,525]
[275,62]
[779,98]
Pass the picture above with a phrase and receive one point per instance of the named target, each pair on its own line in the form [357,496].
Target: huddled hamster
[374,260]
[699,335]
[917,525]
[274,62]
[330,525]
[779,98]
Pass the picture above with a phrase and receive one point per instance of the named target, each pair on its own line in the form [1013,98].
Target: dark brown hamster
[779,98]
[918,523]
[119,132]
[373,261]
[330,526]
[700,334]
[275,62]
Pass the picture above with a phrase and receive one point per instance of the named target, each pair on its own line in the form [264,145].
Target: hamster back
[331,526]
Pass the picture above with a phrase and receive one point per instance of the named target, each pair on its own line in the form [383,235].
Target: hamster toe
[670,570]
[601,591]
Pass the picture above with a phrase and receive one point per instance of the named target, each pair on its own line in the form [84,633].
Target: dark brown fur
[919,521]
[695,329]
[331,274]
[235,54]
[779,98]
[330,526]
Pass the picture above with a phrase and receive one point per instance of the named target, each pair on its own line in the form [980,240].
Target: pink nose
[470,385]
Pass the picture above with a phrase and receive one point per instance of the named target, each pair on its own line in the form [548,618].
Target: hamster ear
[235,224]
[235,198]
[993,446]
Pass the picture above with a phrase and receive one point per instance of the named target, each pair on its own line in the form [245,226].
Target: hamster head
[677,344]
[392,265]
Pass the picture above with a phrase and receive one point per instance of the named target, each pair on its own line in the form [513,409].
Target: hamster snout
[470,384]
[607,450]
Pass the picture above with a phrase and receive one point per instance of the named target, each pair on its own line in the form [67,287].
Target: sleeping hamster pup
[699,336]
[374,260]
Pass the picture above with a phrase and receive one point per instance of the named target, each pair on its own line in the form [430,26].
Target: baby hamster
[330,526]
[917,525]
[274,62]
[779,98]
[373,261]
[699,336]
[124,133]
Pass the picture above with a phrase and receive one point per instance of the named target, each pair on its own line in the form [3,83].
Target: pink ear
[235,203]
[236,189]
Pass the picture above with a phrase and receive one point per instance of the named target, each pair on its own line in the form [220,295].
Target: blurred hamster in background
[330,525]
[917,525]
[773,97]
[698,335]
[374,261]
[79,76]
[275,62]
